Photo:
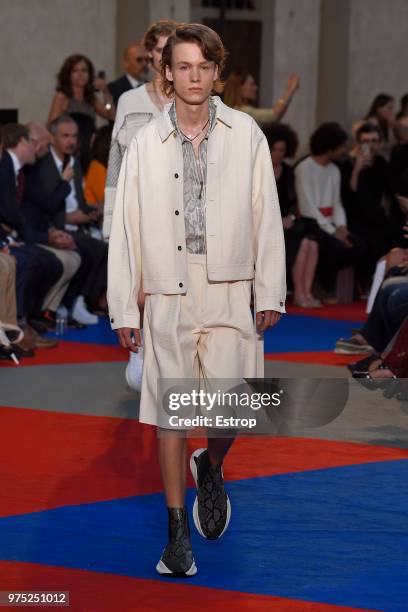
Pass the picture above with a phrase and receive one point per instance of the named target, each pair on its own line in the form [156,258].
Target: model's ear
[169,74]
[216,73]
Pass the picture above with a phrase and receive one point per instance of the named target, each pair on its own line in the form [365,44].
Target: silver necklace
[191,138]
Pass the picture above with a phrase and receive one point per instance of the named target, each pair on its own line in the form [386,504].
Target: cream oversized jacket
[243,221]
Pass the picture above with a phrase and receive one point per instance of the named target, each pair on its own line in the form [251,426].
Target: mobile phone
[67,159]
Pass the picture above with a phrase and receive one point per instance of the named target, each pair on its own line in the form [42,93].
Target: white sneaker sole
[193,468]
[164,570]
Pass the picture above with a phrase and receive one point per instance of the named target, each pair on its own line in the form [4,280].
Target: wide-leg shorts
[208,332]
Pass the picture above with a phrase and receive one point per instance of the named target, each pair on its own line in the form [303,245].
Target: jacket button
[112,320]
[179,247]
[176,212]
[281,303]
[176,175]
[180,284]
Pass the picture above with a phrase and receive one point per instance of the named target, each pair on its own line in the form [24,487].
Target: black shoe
[361,367]
[40,324]
[7,351]
[51,319]
[212,507]
[177,559]
[74,324]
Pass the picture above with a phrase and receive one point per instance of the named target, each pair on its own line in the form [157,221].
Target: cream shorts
[207,333]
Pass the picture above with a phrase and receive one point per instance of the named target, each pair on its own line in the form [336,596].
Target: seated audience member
[241,92]
[75,217]
[8,306]
[391,363]
[95,178]
[365,183]
[403,111]
[135,67]
[37,269]
[382,114]
[319,202]
[399,179]
[76,96]
[301,248]
[39,209]
[388,313]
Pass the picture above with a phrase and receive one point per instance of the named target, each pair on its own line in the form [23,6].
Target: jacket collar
[166,127]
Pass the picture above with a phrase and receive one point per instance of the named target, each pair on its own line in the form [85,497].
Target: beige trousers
[207,333]
[71,260]
[8,308]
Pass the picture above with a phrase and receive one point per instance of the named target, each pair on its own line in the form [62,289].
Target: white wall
[291,35]
[37,35]
[378,44]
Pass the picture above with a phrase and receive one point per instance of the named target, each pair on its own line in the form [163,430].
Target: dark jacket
[118,87]
[51,184]
[10,213]
[41,208]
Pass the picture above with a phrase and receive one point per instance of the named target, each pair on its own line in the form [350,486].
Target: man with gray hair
[60,176]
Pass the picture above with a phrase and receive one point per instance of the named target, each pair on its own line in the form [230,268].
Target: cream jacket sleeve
[124,258]
[269,243]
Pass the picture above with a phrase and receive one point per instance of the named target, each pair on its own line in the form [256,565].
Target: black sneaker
[212,507]
[177,559]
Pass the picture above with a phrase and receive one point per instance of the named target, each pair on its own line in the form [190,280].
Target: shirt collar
[134,82]
[166,126]
[17,165]
[57,160]
[173,118]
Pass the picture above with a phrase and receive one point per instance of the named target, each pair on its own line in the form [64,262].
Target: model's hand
[265,319]
[126,340]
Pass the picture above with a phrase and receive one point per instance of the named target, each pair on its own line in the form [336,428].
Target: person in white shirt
[318,185]
[136,108]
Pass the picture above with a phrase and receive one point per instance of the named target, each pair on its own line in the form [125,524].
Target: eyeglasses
[371,141]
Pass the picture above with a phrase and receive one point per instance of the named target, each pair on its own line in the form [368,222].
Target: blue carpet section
[337,536]
[295,333]
[93,334]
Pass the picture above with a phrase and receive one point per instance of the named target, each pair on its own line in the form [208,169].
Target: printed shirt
[194,185]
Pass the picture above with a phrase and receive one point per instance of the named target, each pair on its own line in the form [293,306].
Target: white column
[170,9]
[291,30]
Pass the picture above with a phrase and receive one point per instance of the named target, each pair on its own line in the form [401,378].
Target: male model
[197,217]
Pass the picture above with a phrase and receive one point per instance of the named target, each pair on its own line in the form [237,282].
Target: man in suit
[38,208]
[37,269]
[73,216]
[135,66]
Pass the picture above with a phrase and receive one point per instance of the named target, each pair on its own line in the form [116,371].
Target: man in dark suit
[37,269]
[135,66]
[74,216]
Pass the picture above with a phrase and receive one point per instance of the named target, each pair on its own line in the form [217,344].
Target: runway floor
[319,514]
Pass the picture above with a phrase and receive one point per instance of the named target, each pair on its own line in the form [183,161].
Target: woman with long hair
[241,91]
[76,96]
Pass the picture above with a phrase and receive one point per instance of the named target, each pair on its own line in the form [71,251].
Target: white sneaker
[81,314]
[134,370]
